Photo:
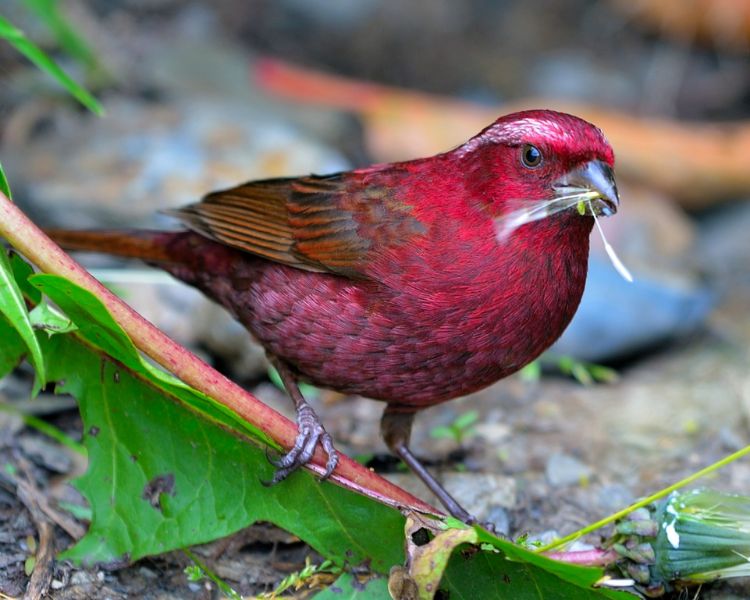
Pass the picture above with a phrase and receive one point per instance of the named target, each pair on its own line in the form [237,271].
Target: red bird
[413,282]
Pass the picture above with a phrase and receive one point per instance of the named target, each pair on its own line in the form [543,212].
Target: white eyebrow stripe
[517,131]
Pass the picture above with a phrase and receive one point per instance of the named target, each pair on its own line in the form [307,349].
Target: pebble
[563,469]
[614,497]
[498,516]
[479,493]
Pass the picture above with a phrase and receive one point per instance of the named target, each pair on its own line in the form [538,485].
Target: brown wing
[327,223]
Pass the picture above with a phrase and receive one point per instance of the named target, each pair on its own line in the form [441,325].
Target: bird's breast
[416,338]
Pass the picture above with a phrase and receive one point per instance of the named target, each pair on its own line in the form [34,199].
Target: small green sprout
[307,576]
[461,429]
[532,372]
[198,571]
[586,373]
[194,573]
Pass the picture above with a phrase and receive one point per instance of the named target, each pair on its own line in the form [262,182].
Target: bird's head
[534,164]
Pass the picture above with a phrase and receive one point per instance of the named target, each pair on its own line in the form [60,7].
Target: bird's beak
[595,182]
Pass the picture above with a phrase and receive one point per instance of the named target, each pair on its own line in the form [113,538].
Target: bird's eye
[531,156]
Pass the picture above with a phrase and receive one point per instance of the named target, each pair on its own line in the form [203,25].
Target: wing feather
[327,223]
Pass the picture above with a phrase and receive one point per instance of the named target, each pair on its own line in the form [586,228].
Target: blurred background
[650,382]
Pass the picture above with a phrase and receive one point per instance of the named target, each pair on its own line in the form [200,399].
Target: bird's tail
[150,246]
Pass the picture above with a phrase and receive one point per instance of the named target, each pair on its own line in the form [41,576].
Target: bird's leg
[395,427]
[310,431]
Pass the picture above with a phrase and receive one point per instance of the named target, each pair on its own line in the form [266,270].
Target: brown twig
[66,522]
[30,496]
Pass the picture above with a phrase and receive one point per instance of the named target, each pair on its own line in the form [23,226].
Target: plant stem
[226,589]
[587,558]
[46,428]
[646,501]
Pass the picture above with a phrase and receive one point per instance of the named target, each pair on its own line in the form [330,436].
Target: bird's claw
[488,525]
[461,514]
[310,432]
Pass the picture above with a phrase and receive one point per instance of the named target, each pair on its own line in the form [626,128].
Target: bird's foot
[488,525]
[310,432]
[459,512]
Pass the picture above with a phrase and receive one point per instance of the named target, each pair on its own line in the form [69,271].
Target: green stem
[223,585]
[47,429]
[54,433]
[646,501]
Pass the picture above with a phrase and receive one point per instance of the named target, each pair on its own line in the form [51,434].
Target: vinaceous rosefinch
[411,283]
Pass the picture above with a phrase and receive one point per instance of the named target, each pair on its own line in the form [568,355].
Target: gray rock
[563,470]
[482,494]
[614,497]
[617,319]
[667,299]
[86,172]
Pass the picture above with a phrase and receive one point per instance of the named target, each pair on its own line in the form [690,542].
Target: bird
[412,283]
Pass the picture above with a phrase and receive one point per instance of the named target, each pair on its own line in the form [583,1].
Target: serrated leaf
[25,46]
[162,476]
[13,307]
[168,469]
[98,327]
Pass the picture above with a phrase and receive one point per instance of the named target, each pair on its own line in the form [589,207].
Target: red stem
[31,241]
[589,558]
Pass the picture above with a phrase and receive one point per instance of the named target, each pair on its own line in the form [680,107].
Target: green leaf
[48,11]
[12,349]
[44,317]
[13,306]
[97,327]
[4,187]
[20,42]
[82,513]
[168,468]
[348,587]
[22,271]
[466,420]
[514,573]
[531,372]
[307,390]
[586,373]
[443,432]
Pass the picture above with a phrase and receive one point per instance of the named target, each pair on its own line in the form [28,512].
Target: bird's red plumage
[413,282]
[443,309]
